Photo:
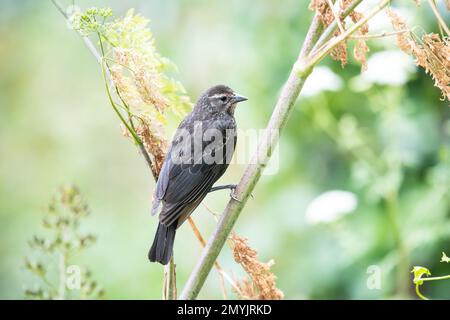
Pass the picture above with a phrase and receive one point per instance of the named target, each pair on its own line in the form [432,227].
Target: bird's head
[220,99]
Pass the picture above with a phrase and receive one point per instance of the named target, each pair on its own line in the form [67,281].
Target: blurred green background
[383,135]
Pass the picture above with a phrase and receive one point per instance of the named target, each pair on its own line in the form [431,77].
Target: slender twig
[439,18]
[291,89]
[336,16]
[421,296]
[435,278]
[418,284]
[220,270]
[314,31]
[318,55]
[100,59]
[383,34]
[170,281]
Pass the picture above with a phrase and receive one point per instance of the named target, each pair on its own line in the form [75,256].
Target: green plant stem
[169,285]
[435,278]
[170,280]
[441,21]
[291,89]
[131,128]
[253,171]
[107,75]
[421,296]
[113,104]
[59,8]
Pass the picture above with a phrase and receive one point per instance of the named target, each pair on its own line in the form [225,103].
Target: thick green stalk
[291,89]
[253,171]
[170,281]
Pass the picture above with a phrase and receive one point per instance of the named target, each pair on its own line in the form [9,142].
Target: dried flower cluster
[360,49]
[139,75]
[155,144]
[138,82]
[339,53]
[322,8]
[58,244]
[263,282]
[431,52]
[133,48]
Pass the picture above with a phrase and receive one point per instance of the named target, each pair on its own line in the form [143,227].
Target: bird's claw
[233,194]
[232,188]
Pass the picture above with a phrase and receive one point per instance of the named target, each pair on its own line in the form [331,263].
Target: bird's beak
[237,98]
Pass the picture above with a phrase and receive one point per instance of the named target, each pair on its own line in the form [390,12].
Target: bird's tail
[162,247]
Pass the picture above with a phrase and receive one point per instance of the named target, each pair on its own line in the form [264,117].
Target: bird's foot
[232,188]
[233,195]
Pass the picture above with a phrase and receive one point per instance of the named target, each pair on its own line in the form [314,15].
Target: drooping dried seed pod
[430,52]
[399,24]
[359,52]
[263,284]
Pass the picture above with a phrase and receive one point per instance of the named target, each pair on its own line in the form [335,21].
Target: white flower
[330,205]
[321,79]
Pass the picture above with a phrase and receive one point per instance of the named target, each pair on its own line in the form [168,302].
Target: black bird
[198,156]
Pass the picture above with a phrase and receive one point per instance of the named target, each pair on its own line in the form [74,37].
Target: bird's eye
[223,99]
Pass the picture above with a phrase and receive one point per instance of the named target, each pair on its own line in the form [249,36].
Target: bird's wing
[187,188]
[181,184]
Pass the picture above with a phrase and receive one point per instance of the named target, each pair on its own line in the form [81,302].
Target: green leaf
[445,258]
[418,272]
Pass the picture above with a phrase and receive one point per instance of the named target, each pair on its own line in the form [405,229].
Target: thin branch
[421,296]
[220,270]
[170,281]
[336,17]
[333,42]
[446,277]
[383,34]
[439,18]
[98,56]
[314,32]
[291,89]
[60,9]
